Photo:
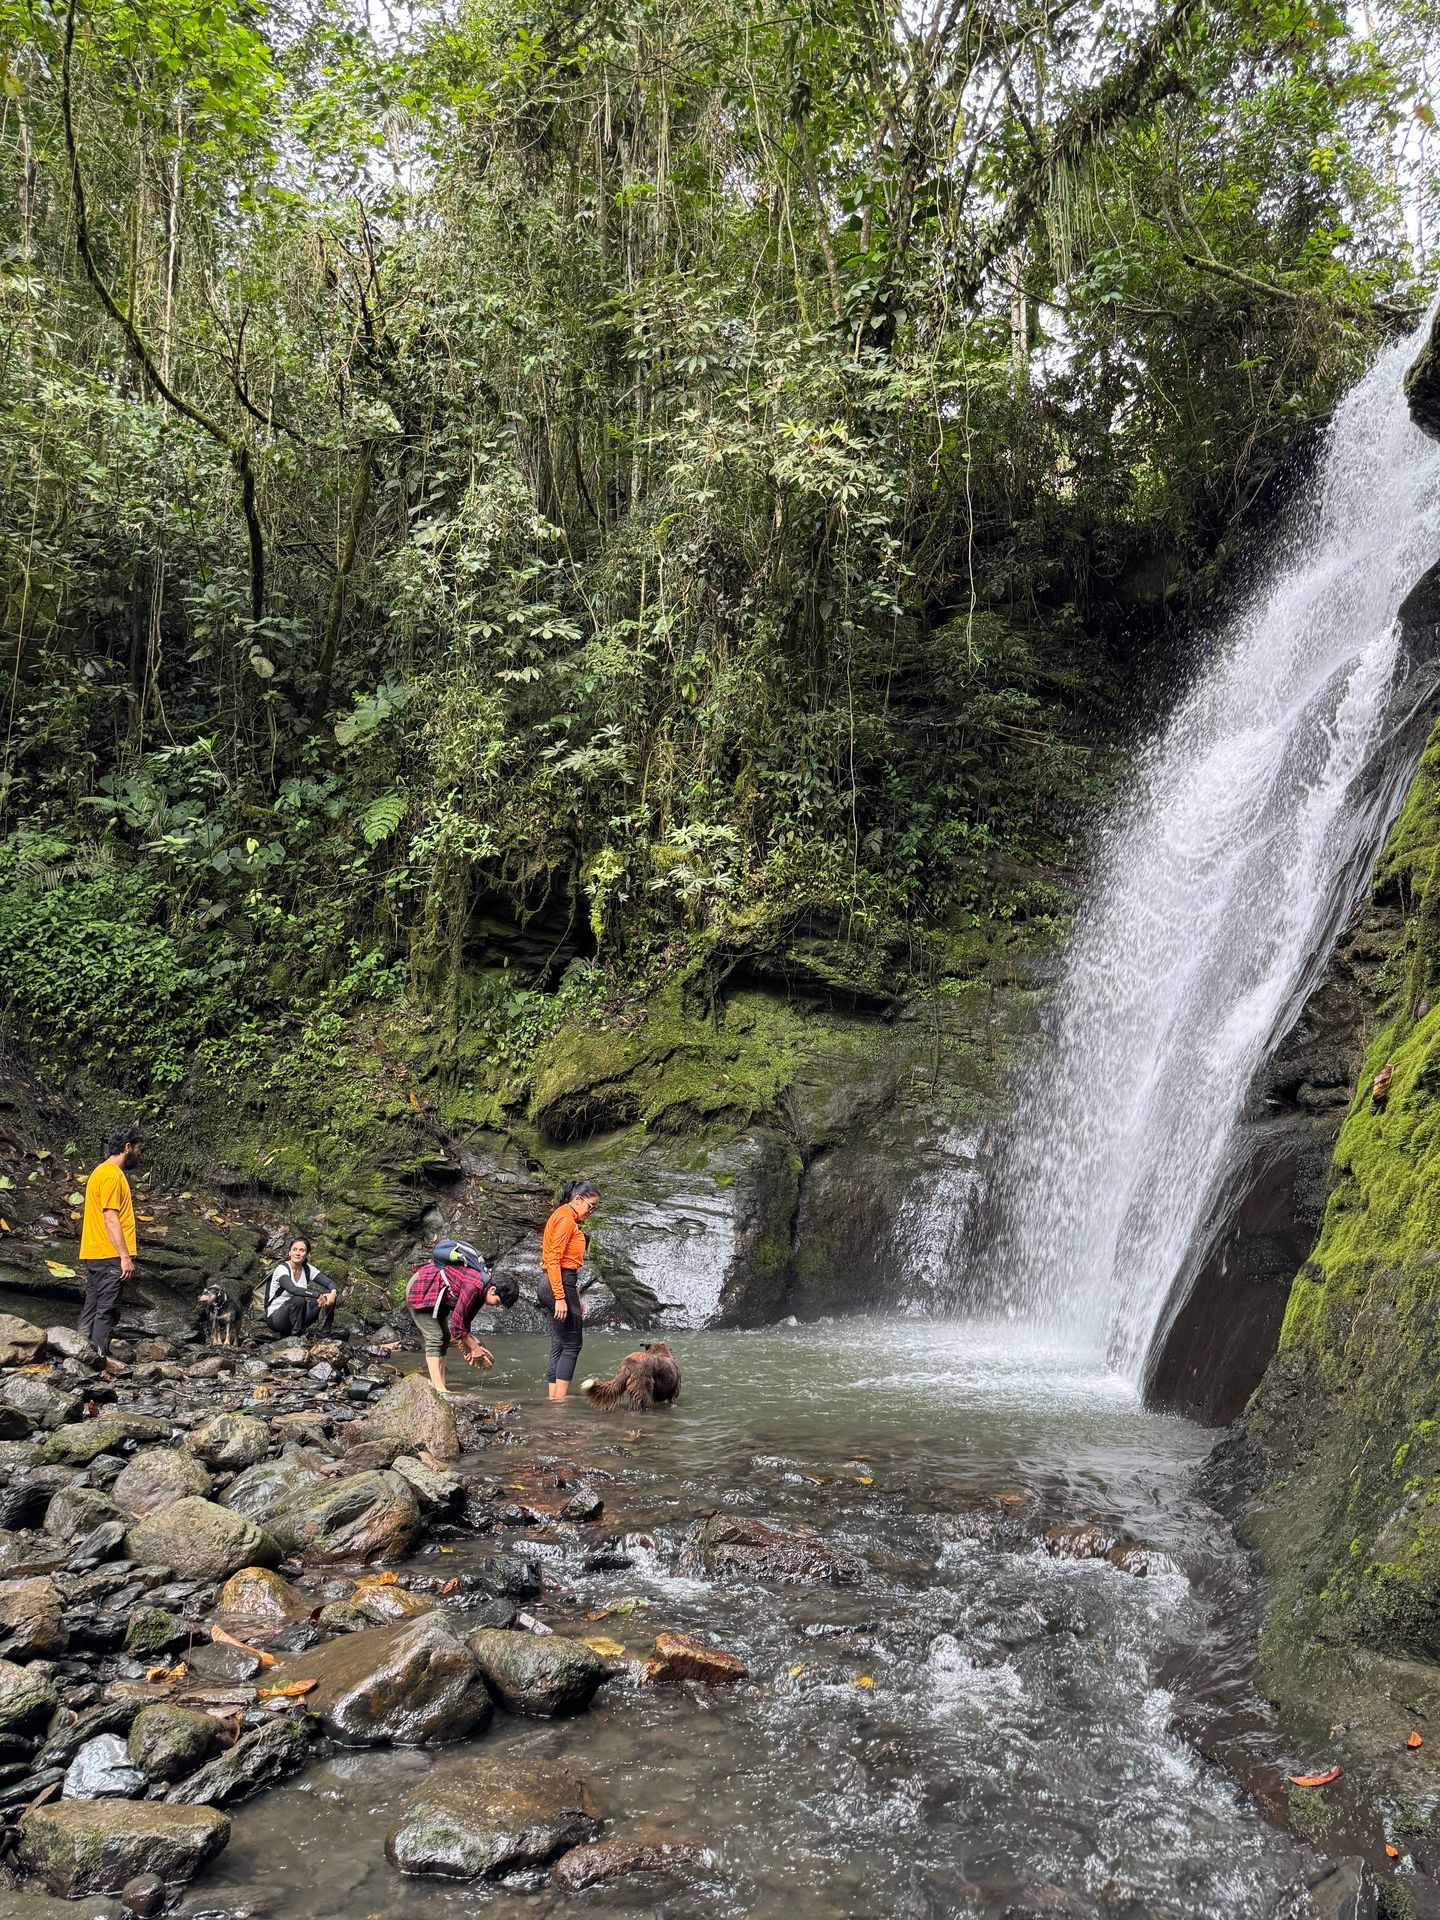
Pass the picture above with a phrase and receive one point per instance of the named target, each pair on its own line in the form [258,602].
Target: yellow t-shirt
[107,1187]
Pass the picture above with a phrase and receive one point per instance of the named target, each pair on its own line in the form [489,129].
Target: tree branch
[238,451]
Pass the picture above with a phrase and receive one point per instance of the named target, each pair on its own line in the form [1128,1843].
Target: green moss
[1310,1812]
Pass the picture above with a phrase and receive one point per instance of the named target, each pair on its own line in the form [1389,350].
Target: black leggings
[567,1335]
[292,1313]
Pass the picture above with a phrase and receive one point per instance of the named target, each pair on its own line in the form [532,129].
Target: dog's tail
[606,1394]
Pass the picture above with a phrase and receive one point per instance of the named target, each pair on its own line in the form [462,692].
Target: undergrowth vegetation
[553,494]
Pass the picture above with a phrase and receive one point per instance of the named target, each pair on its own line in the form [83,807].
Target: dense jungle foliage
[516,495]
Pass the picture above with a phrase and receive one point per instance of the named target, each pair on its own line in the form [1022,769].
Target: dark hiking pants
[104,1284]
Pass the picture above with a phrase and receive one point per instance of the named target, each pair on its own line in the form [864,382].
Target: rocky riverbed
[283,1633]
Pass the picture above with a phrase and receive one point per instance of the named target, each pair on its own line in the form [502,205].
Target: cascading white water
[1222,881]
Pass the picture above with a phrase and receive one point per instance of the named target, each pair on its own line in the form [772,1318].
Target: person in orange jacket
[562,1254]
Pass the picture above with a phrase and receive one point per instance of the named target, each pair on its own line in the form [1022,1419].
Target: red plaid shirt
[464,1286]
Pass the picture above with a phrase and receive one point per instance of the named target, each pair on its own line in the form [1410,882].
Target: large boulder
[80,1443]
[681,1658]
[47,1405]
[613,1859]
[157,1477]
[1422,383]
[414,1412]
[407,1686]
[255,1600]
[480,1818]
[68,1343]
[27,1698]
[95,1846]
[166,1742]
[544,1674]
[366,1516]
[20,1343]
[752,1550]
[30,1613]
[267,1488]
[229,1442]
[200,1541]
[75,1511]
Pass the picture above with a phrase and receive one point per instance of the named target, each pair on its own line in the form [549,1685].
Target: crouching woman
[444,1296]
[562,1254]
[297,1294]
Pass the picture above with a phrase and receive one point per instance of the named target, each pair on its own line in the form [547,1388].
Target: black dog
[220,1316]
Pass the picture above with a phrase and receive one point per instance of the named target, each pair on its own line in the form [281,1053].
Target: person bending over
[444,1296]
[562,1254]
[297,1295]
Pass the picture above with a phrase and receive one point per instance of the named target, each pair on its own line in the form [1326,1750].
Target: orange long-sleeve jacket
[563,1246]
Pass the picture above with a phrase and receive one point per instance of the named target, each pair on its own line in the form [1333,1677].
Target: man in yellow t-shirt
[107,1236]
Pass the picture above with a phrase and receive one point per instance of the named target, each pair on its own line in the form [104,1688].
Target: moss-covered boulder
[548,1675]
[267,1488]
[479,1818]
[155,1478]
[27,1698]
[256,1600]
[75,1511]
[77,1445]
[94,1846]
[366,1516]
[410,1685]
[200,1541]
[413,1412]
[30,1624]
[229,1442]
[167,1742]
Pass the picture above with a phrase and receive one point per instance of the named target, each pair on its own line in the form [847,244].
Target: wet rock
[481,1818]
[222,1664]
[547,1675]
[255,1600]
[167,1742]
[76,1445]
[44,1906]
[15,1425]
[292,1354]
[436,1492]
[406,1685]
[144,1896]
[102,1543]
[611,1859]
[46,1405]
[1345,1891]
[111,1716]
[1088,1542]
[95,1846]
[256,1759]
[155,1350]
[75,1511]
[366,1516]
[66,1343]
[103,1770]
[156,1477]
[200,1541]
[682,1658]
[583,1507]
[230,1442]
[30,1613]
[385,1600]
[152,1630]
[267,1488]
[414,1412]
[343,1616]
[725,1545]
[20,1343]
[27,1698]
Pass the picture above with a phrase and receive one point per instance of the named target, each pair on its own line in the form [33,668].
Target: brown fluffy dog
[649,1377]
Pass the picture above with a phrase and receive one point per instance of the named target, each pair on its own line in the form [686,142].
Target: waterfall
[1223,879]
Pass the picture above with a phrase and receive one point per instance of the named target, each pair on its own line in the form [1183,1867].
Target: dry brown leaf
[229,1640]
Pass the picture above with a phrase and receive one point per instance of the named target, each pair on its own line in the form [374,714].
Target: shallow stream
[979,1729]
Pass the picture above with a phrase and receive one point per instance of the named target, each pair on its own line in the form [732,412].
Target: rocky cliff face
[1334,1467]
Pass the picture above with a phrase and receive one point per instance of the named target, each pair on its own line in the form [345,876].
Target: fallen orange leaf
[864,1680]
[229,1640]
[1314,1779]
[450,1586]
[1392,1853]
[1415,1740]
[296,1690]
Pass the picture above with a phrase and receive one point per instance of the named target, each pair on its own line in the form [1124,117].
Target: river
[979,1729]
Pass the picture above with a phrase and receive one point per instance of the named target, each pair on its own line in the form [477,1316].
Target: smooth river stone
[480,1818]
